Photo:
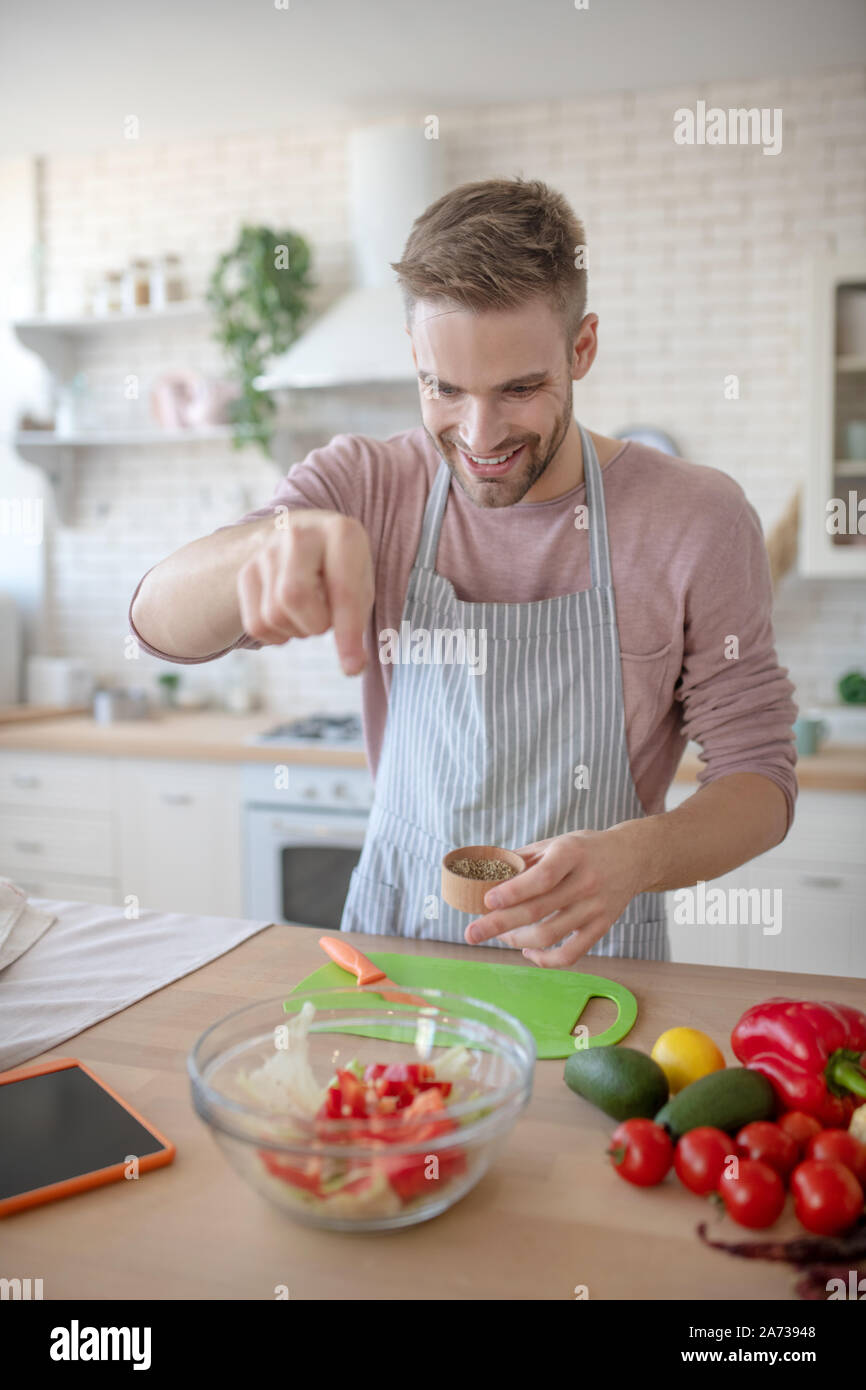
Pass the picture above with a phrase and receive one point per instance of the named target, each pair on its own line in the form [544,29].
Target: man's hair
[495,244]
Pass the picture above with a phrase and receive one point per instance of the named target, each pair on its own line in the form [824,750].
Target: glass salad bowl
[356,1110]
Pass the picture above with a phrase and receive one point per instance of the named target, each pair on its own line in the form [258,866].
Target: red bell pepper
[307,1176]
[399,1103]
[408,1173]
[810,1052]
[353,1093]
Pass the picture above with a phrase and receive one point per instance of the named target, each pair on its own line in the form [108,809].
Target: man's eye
[522,390]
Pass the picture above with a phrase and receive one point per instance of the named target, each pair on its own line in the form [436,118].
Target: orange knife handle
[348,957]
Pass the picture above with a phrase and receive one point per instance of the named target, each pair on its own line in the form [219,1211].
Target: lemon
[685,1055]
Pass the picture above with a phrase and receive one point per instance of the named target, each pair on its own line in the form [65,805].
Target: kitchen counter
[214,736]
[551,1213]
[203,736]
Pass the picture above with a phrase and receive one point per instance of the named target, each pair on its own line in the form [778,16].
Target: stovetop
[345,729]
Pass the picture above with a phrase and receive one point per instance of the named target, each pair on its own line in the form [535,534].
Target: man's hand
[313,572]
[582,882]
[572,891]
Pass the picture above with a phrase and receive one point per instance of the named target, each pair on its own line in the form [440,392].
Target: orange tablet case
[99,1176]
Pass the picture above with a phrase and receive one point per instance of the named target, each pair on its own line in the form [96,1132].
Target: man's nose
[482,429]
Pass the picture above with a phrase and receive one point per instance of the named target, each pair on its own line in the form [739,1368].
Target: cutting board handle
[626,1012]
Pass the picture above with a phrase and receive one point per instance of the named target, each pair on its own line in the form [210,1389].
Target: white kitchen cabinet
[180,835]
[57,825]
[823,926]
[55,781]
[95,829]
[819,875]
[68,890]
[79,845]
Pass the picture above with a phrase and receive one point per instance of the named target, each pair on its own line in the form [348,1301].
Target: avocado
[619,1080]
[725,1100]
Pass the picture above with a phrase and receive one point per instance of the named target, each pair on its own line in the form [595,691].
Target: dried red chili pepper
[810,1052]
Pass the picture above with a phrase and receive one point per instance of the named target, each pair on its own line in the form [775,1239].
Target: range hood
[394,174]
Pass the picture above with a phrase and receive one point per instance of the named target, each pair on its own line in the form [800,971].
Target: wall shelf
[838,397]
[92,323]
[56,340]
[89,439]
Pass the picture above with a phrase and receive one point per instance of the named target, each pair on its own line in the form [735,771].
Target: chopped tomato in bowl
[392,1136]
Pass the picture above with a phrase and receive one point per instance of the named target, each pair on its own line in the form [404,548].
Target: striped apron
[522,744]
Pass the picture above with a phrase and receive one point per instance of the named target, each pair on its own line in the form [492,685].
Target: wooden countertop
[214,736]
[205,736]
[839,767]
[550,1214]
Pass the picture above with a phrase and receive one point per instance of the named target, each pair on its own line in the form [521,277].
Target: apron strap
[599,544]
[599,547]
[433,514]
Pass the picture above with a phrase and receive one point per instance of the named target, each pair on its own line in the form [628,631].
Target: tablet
[62,1130]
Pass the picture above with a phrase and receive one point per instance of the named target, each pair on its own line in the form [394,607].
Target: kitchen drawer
[823,920]
[46,782]
[85,890]
[704,943]
[831,823]
[56,845]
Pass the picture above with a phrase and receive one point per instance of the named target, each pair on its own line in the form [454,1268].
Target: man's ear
[585,347]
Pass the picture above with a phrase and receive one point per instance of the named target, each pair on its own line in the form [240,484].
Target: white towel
[94,962]
[21,924]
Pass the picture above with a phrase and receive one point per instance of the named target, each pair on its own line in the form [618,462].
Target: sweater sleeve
[326,480]
[736,699]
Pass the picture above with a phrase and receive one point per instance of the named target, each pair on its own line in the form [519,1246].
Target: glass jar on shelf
[108,294]
[136,286]
[166,281]
[70,407]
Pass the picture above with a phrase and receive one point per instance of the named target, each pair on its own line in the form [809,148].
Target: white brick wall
[697,260]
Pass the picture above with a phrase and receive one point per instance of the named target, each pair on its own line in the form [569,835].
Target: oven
[304,828]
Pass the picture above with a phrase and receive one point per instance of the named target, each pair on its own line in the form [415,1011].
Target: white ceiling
[69,73]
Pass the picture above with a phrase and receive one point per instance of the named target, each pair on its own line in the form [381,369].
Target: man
[549,614]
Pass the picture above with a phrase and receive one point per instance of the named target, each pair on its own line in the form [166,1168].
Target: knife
[349,958]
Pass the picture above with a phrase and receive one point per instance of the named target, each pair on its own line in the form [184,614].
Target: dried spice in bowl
[495,869]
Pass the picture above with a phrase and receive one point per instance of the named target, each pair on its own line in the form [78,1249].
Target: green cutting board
[548,1002]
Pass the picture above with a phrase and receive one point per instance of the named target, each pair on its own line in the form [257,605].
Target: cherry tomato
[755,1196]
[641,1152]
[770,1144]
[800,1126]
[839,1146]
[827,1196]
[700,1157]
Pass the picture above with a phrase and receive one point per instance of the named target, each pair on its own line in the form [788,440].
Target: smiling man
[623,596]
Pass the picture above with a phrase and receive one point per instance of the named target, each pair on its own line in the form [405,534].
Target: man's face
[493,383]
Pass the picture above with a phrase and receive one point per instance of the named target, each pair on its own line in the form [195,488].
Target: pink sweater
[690,572]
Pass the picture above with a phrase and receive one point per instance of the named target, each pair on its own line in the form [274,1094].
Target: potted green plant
[259,293]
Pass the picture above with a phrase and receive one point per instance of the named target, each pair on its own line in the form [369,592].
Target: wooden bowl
[467,894]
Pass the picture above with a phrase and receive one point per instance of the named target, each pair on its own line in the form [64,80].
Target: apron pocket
[371,906]
[647,689]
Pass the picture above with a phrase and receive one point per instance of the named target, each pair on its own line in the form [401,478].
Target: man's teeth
[501,458]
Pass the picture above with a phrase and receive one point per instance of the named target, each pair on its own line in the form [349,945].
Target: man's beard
[505,491]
